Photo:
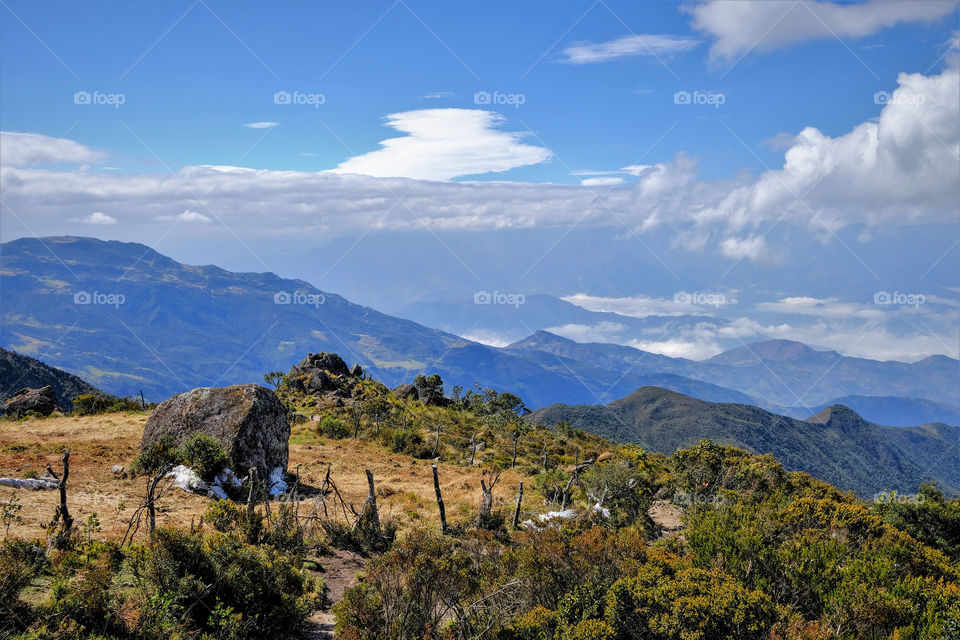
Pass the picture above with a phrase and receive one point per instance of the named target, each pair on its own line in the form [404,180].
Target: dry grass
[404,485]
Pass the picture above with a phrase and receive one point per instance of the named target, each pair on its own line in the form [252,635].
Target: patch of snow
[566,515]
[185,478]
[276,483]
[602,511]
[36,484]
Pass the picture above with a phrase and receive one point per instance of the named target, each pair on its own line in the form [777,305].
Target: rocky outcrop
[323,375]
[42,401]
[406,391]
[248,421]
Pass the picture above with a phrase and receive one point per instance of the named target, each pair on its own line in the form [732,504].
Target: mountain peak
[538,339]
[776,350]
[837,415]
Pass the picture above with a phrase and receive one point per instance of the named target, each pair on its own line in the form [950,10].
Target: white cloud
[446,143]
[602,182]
[899,169]
[436,95]
[765,25]
[21,149]
[643,306]
[187,216]
[599,332]
[658,46]
[262,125]
[97,217]
[752,247]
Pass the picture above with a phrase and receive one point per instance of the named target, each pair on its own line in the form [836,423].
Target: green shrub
[204,455]
[88,404]
[20,562]
[211,578]
[334,428]
[405,439]
[158,455]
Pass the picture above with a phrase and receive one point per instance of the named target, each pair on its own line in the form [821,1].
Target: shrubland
[763,553]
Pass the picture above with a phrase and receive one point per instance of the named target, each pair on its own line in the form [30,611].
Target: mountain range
[18,371]
[128,318]
[836,444]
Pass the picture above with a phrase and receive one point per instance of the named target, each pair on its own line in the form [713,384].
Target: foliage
[333,427]
[88,404]
[204,455]
[927,517]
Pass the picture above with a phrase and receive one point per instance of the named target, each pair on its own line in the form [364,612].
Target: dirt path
[667,516]
[339,573]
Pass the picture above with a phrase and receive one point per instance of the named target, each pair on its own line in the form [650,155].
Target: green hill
[836,445]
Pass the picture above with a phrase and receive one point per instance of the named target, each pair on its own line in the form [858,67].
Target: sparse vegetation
[764,553]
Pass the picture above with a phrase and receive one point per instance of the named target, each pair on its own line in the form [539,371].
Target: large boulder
[248,421]
[329,362]
[406,391]
[320,382]
[42,401]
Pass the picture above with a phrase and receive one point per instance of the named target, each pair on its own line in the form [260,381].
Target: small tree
[276,378]
[430,389]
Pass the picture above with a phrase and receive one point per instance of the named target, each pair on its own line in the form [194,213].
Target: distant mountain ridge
[18,371]
[778,374]
[836,445]
[174,326]
[889,410]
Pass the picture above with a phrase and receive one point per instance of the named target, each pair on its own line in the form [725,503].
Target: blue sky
[193,73]
[724,143]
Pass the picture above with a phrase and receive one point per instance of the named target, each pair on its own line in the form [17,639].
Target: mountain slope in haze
[889,410]
[18,371]
[836,445]
[500,324]
[144,321]
[777,373]
[179,326]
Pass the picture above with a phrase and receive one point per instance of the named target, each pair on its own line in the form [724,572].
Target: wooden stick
[443,512]
[516,514]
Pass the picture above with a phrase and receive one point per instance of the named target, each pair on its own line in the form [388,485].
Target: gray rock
[406,391]
[329,362]
[117,470]
[320,382]
[356,371]
[248,421]
[42,401]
